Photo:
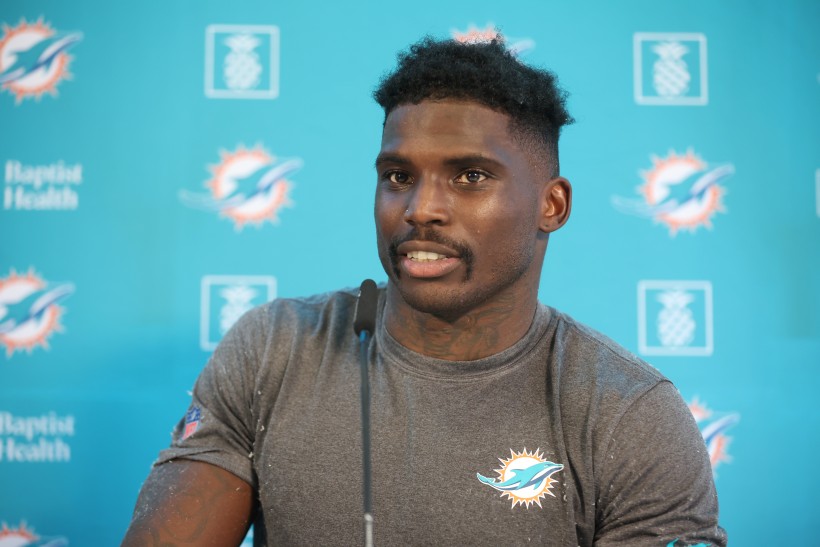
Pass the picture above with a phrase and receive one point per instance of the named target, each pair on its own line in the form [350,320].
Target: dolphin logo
[475,35]
[39,56]
[523,478]
[29,310]
[253,186]
[14,315]
[34,59]
[718,427]
[680,191]
[674,543]
[678,196]
[714,435]
[714,431]
[248,187]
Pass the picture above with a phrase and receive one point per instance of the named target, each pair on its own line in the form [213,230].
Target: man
[496,420]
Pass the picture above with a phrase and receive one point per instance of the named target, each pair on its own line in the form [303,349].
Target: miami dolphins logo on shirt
[524,478]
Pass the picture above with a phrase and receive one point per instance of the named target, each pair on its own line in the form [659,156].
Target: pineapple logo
[676,326]
[675,318]
[238,300]
[242,68]
[670,75]
[34,59]
[226,298]
[241,62]
[670,68]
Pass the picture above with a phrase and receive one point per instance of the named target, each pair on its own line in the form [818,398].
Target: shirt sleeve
[656,486]
[219,426]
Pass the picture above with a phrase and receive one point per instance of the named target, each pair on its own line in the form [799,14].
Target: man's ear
[556,203]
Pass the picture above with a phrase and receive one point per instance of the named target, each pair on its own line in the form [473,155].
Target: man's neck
[481,332]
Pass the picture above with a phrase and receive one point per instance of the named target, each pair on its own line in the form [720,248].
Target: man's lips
[428,247]
[426,253]
[427,268]
[425,259]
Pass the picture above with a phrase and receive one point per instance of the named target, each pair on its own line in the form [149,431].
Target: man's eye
[472,176]
[397,177]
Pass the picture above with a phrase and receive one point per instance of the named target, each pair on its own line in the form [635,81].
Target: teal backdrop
[167,165]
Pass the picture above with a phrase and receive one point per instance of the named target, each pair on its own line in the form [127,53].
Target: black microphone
[365,316]
[364,323]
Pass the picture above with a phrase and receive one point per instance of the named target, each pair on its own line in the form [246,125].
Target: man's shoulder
[267,336]
[305,308]
[586,353]
[598,382]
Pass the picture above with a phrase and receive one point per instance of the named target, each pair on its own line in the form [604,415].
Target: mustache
[429,234]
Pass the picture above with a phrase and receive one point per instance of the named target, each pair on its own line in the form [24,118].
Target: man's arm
[656,487]
[185,502]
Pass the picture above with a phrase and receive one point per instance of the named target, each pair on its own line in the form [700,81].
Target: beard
[451,302]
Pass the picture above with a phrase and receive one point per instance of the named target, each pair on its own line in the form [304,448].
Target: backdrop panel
[168,165]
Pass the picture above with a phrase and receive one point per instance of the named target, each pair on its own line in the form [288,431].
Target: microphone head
[365,317]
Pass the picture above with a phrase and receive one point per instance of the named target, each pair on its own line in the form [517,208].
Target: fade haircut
[489,74]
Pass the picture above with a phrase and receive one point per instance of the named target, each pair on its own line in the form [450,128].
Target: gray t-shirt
[562,439]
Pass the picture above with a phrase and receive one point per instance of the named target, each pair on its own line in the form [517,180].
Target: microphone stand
[364,323]
[364,342]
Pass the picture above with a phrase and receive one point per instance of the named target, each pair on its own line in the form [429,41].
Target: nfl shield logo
[192,419]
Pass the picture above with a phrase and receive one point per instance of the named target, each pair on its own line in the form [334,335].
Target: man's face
[457,208]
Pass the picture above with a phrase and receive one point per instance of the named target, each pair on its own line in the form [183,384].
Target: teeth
[424,255]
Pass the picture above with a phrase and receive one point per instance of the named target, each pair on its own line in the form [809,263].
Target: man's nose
[428,203]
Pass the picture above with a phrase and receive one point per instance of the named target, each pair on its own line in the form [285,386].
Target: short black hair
[487,73]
